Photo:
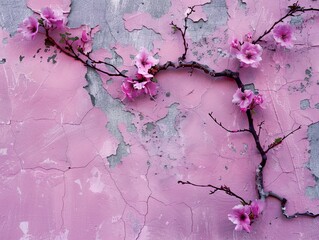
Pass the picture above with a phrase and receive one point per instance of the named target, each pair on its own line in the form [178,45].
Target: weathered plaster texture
[313,137]
[12,12]
[112,27]
[79,162]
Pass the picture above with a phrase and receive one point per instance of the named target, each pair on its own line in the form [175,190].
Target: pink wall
[73,171]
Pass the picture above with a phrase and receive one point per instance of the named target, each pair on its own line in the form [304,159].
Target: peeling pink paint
[55,179]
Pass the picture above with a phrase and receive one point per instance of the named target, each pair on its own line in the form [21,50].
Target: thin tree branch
[222,126]
[260,127]
[71,53]
[223,188]
[281,139]
[283,202]
[295,8]
[204,68]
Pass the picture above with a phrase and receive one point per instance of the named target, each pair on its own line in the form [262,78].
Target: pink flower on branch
[243,99]
[283,35]
[250,55]
[235,46]
[132,88]
[247,99]
[144,61]
[52,18]
[86,41]
[129,90]
[240,217]
[257,101]
[248,37]
[29,28]
[85,37]
[256,208]
[244,215]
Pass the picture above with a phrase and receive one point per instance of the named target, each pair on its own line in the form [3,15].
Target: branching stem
[292,10]
[88,61]
[72,53]
[222,126]
[223,188]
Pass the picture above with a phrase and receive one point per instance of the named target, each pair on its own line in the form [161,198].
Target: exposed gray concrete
[12,13]
[169,121]
[216,12]
[115,111]
[313,165]
[304,104]
[97,12]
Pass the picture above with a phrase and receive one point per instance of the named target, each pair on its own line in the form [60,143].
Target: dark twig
[222,126]
[281,139]
[283,202]
[190,10]
[86,60]
[71,53]
[260,127]
[104,63]
[206,69]
[295,8]
[235,76]
[223,188]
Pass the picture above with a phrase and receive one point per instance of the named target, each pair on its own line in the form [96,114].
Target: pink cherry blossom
[248,37]
[144,61]
[258,101]
[256,207]
[235,46]
[139,85]
[52,18]
[29,28]
[243,99]
[129,90]
[133,88]
[147,86]
[250,55]
[86,41]
[150,88]
[240,217]
[283,35]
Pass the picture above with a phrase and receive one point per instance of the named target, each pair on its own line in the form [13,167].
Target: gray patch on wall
[313,164]
[12,13]
[169,121]
[216,12]
[304,104]
[115,112]
[109,16]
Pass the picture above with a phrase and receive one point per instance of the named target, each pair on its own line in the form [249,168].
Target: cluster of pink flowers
[29,28]
[247,99]
[244,215]
[283,35]
[50,19]
[144,81]
[247,53]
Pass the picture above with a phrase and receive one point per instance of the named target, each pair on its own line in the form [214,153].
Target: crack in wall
[217,16]
[165,129]
[115,112]
[112,25]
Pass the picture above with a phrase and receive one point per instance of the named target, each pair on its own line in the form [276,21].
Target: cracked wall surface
[78,161]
